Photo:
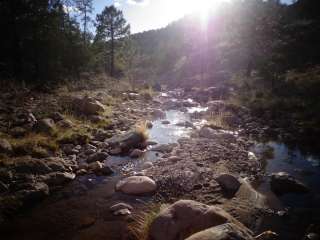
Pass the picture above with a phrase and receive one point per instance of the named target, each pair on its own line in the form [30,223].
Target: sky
[145,15]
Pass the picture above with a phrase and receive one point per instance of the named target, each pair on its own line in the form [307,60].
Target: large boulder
[5,146]
[136,185]
[126,141]
[229,183]
[88,106]
[186,217]
[283,182]
[227,231]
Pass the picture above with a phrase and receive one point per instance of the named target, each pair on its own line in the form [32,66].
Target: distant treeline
[49,40]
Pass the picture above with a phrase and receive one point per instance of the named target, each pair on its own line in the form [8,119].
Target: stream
[81,209]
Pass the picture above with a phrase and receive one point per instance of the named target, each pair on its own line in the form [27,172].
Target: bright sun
[201,8]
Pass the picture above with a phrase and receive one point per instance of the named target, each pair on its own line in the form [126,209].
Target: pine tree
[111,28]
[85,8]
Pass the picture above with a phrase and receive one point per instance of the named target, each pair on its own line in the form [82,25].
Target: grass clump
[142,129]
[219,120]
[34,144]
[140,227]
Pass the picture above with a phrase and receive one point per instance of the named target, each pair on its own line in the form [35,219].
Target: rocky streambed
[114,180]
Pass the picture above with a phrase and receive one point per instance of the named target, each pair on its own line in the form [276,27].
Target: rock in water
[136,153]
[227,231]
[126,141]
[229,183]
[99,156]
[185,217]
[136,185]
[283,182]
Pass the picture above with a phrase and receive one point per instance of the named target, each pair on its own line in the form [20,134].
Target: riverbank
[186,157]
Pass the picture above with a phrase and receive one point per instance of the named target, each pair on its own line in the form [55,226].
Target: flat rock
[136,185]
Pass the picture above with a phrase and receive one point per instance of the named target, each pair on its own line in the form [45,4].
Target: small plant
[218,120]
[142,129]
[140,227]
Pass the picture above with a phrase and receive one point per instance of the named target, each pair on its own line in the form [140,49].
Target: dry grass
[218,120]
[142,129]
[140,227]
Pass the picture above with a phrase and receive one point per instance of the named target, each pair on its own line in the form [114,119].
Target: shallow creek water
[81,209]
[293,212]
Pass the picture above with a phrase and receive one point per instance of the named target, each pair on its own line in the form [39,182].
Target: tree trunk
[85,25]
[112,54]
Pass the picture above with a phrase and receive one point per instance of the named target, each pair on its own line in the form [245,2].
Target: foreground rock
[226,231]
[136,185]
[283,182]
[185,217]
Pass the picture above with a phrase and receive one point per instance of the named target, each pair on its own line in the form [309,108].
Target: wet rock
[120,206]
[5,175]
[88,106]
[312,236]
[99,156]
[227,231]
[59,178]
[126,141]
[283,182]
[164,148]
[165,122]
[176,221]
[136,153]
[229,183]
[136,185]
[45,125]
[5,146]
